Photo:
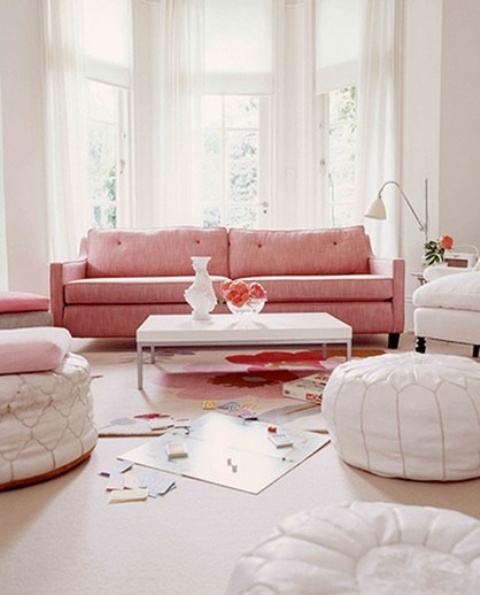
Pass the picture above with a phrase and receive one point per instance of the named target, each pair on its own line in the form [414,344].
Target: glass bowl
[249,310]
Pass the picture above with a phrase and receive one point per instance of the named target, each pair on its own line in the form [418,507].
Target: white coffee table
[293,328]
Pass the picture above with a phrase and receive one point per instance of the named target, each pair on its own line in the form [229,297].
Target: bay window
[242,114]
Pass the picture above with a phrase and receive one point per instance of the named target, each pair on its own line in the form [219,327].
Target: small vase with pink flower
[435,250]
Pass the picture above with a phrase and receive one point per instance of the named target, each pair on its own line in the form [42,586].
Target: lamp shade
[377,209]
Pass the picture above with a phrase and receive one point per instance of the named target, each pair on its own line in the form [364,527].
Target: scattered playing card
[151,415]
[157,483]
[182,422]
[161,423]
[118,467]
[116,481]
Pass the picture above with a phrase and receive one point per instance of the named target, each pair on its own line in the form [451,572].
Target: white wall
[441,126]
[21,69]
[459,166]
[421,130]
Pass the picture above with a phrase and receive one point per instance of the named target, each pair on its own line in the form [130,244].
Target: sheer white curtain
[294,132]
[68,204]
[379,117]
[168,78]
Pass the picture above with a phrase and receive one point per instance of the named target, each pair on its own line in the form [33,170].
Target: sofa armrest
[62,273]
[382,266]
[395,268]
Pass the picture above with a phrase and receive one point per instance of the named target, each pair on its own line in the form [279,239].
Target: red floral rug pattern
[219,375]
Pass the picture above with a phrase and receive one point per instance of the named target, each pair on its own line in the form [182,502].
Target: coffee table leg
[139,366]
[349,349]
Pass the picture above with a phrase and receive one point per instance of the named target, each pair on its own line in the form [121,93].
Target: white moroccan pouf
[46,417]
[372,548]
[409,415]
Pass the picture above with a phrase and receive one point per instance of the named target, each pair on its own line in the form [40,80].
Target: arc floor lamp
[377,208]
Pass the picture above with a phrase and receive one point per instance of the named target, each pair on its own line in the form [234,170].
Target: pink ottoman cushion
[33,349]
[17,301]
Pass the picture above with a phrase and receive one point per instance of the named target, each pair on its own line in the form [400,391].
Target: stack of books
[309,388]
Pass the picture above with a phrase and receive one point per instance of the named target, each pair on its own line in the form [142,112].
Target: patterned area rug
[216,374]
[234,382]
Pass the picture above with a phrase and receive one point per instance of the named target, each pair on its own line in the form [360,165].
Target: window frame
[326,183]
[119,78]
[264,160]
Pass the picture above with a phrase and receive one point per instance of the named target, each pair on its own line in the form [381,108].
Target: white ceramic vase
[201,295]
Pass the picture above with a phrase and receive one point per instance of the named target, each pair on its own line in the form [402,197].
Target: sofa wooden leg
[421,346]
[393,339]
[476,349]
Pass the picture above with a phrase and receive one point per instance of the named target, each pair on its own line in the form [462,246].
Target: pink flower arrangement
[238,293]
[446,242]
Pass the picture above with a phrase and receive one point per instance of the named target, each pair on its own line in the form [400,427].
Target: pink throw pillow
[35,349]
[18,301]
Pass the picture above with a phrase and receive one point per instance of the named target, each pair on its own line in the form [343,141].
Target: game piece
[176,450]
[127,495]
[230,406]
[280,440]
[209,404]
[248,415]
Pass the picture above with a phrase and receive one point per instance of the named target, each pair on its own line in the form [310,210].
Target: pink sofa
[120,277]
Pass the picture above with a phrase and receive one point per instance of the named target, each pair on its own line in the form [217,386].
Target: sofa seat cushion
[326,288]
[19,301]
[458,292]
[340,251]
[156,252]
[132,290]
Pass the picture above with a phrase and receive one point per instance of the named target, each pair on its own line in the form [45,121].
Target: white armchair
[448,309]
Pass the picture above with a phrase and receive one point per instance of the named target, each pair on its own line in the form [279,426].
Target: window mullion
[223,159]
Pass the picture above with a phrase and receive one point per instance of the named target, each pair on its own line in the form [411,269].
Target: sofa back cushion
[155,253]
[333,251]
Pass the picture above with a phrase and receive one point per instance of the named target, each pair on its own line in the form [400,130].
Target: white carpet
[63,537]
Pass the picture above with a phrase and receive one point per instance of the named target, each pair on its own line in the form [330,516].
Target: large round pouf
[46,422]
[374,548]
[409,415]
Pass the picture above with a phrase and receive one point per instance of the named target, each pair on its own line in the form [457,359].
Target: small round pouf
[374,548]
[409,415]
[46,422]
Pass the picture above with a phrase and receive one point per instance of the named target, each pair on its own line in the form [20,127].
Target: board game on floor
[229,451]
